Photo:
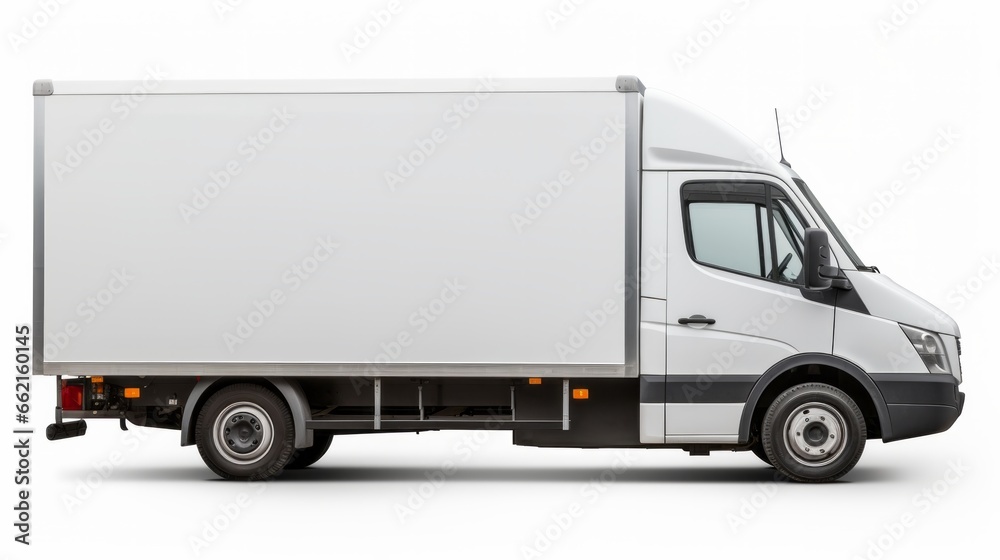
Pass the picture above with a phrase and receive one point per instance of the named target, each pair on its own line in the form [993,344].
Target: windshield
[830,226]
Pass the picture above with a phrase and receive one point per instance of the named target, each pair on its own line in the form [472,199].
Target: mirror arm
[837,276]
[827,271]
[841,283]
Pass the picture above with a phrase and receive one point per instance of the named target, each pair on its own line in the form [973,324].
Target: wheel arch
[288,389]
[816,367]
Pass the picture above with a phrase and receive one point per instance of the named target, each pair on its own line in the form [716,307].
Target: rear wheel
[245,432]
[303,458]
[813,433]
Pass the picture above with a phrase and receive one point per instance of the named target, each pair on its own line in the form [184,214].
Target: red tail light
[72,397]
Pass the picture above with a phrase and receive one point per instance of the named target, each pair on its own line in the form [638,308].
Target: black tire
[245,432]
[303,458]
[813,433]
[758,450]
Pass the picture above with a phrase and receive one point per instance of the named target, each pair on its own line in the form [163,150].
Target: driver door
[735,306]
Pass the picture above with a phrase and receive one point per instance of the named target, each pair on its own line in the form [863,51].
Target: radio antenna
[781,149]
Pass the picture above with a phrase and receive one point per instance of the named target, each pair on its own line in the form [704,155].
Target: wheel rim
[243,433]
[814,433]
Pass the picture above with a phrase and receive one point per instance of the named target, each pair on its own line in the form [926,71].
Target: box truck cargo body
[264,265]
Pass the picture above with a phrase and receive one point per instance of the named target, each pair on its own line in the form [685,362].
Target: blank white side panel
[652,337]
[653,254]
[269,228]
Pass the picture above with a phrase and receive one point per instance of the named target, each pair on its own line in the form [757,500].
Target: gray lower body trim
[633,170]
[38,251]
[254,369]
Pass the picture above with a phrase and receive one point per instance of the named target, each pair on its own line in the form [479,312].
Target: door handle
[696,320]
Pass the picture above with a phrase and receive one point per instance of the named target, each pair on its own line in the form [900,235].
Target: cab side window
[728,235]
[748,228]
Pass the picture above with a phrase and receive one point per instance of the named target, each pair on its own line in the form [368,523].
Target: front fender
[814,358]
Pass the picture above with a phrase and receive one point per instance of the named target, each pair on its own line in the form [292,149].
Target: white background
[888,91]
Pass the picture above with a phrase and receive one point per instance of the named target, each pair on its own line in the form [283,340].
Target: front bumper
[919,404]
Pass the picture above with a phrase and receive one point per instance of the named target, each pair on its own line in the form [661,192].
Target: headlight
[929,347]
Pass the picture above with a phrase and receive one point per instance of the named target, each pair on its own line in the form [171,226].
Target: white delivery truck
[585,262]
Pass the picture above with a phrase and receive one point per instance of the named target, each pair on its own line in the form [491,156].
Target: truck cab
[766,328]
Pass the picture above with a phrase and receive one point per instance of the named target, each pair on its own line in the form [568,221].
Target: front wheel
[813,433]
[245,432]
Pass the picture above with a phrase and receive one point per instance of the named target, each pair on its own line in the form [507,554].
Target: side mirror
[819,273]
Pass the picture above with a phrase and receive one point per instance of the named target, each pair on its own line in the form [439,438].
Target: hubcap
[243,433]
[814,433]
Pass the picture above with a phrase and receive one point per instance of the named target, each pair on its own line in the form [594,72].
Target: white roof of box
[151,85]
